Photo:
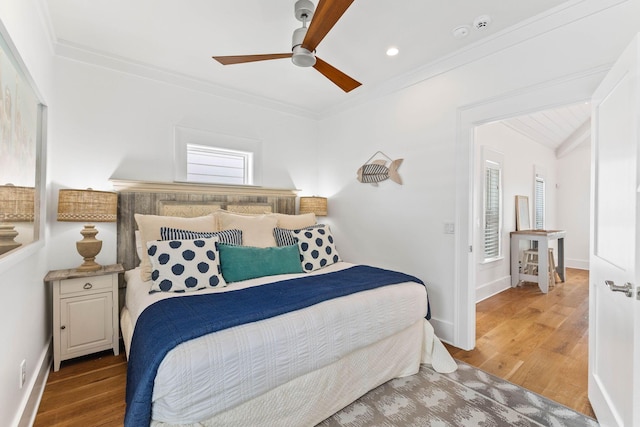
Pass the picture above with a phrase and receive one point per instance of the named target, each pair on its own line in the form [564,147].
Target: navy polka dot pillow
[316,247]
[184,265]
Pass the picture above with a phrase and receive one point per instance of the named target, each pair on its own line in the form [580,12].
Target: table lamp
[88,206]
[313,204]
[16,205]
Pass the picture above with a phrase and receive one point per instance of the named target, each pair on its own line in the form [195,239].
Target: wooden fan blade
[324,18]
[239,59]
[343,81]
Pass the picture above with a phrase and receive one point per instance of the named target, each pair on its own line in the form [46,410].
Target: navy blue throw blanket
[167,323]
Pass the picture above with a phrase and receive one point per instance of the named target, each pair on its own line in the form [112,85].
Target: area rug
[468,397]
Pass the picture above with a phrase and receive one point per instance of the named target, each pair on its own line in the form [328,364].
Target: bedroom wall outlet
[23,372]
[449,228]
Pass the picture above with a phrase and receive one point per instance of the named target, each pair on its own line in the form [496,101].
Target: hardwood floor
[88,391]
[537,341]
[534,340]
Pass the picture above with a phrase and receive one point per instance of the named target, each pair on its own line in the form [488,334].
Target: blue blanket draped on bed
[169,322]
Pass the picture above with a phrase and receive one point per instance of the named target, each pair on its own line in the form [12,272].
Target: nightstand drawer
[83,284]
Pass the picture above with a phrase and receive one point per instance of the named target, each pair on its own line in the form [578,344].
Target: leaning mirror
[522,213]
[22,130]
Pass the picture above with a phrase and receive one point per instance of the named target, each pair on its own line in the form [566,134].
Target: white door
[614,314]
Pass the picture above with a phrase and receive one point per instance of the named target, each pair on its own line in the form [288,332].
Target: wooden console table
[543,237]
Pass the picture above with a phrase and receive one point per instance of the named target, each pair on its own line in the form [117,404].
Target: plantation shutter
[492,210]
[539,203]
[219,166]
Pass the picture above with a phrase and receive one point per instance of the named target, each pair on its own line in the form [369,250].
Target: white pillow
[149,226]
[185,265]
[317,248]
[257,230]
[139,246]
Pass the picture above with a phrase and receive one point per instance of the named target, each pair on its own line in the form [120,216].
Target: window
[492,206]
[208,157]
[539,202]
[219,166]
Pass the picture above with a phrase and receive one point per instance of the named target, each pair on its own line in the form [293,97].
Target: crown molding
[531,28]
[540,24]
[72,51]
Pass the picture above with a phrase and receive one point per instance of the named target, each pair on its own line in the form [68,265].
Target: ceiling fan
[305,41]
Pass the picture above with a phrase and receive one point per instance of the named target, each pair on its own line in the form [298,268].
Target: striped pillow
[285,237]
[230,237]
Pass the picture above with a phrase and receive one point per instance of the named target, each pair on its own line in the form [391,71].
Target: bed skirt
[315,396]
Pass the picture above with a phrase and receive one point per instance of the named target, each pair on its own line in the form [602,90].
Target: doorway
[544,158]
[547,95]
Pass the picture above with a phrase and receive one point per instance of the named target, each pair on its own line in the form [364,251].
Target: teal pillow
[247,262]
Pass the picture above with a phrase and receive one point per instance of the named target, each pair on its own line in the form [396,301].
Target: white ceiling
[561,129]
[178,38]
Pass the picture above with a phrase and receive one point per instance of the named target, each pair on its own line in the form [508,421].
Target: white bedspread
[249,360]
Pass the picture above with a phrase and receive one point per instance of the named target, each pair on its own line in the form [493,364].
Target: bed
[313,339]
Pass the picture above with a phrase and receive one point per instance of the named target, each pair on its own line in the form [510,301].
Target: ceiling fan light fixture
[303,46]
[303,57]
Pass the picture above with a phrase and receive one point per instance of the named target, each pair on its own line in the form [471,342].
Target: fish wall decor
[375,171]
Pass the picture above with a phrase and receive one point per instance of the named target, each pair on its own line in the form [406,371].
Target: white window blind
[492,210]
[219,166]
[539,203]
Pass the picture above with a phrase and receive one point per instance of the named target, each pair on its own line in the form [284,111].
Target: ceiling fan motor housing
[301,57]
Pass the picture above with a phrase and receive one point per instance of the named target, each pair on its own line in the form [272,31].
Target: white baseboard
[36,386]
[580,264]
[443,330]
[490,289]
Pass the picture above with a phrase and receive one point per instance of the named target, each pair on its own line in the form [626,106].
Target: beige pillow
[295,222]
[257,230]
[149,226]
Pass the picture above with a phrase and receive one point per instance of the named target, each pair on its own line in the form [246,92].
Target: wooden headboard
[188,200]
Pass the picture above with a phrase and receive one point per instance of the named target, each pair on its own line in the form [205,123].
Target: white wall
[105,124]
[24,308]
[521,157]
[110,124]
[574,181]
[402,226]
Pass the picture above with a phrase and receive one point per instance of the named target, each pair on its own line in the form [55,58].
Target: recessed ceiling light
[392,51]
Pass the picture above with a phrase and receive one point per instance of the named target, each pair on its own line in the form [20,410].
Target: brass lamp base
[89,247]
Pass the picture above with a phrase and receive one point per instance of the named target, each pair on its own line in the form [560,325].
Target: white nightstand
[85,312]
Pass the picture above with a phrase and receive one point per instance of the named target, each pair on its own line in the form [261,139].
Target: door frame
[549,94]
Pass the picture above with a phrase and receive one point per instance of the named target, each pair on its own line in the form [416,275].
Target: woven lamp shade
[316,205]
[87,206]
[16,203]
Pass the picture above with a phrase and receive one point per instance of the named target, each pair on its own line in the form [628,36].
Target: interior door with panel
[614,307]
